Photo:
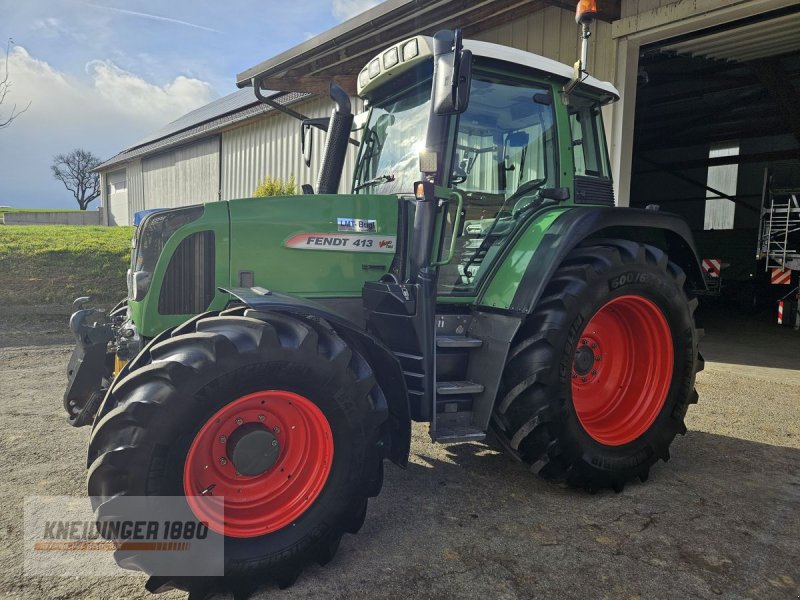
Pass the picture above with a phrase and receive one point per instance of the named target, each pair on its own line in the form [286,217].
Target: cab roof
[395,60]
[540,63]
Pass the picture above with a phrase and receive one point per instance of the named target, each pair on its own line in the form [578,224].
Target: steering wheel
[525,190]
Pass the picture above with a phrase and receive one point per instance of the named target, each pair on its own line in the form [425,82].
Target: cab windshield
[395,134]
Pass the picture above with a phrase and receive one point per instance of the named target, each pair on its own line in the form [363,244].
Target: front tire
[247,376]
[600,377]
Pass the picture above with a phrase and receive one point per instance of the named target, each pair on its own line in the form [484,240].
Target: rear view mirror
[307,138]
[306,142]
[452,73]
[518,139]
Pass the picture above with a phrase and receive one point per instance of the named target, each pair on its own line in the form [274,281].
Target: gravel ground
[721,519]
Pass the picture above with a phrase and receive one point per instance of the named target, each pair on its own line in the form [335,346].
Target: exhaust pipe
[336,145]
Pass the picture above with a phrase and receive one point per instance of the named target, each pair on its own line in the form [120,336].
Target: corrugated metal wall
[182,176]
[135,188]
[271,147]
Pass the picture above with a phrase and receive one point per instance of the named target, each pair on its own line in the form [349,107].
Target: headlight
[140,285]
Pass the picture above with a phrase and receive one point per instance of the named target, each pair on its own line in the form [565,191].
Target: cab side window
[588,141]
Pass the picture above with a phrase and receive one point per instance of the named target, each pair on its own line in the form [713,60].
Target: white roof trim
[534,61]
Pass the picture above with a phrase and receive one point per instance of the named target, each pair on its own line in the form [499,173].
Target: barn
[707,125]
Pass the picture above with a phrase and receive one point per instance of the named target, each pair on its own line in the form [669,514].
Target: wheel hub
[253,449]
[584,360]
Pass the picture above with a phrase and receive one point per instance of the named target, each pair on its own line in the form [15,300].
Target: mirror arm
[272,103]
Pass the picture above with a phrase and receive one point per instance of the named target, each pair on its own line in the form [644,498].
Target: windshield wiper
[375,181]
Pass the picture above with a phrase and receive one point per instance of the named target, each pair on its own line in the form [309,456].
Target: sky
[102,74]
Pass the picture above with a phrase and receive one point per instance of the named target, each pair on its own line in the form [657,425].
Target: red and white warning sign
[780,312]
[780,276]
[712,267]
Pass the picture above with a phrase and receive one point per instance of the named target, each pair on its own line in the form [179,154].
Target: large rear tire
[599,379]
[289,380]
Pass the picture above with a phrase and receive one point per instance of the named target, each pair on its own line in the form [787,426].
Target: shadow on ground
[720,519]
[757,340]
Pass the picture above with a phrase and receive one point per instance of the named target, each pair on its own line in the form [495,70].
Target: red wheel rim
[622,370]
[262,503]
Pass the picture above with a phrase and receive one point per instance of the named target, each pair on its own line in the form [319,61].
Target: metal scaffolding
[779,229]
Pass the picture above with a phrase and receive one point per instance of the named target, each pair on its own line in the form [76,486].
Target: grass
[54,264]
[34,210]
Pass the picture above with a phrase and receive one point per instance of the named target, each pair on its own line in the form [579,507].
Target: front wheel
[276,413]
[598,382]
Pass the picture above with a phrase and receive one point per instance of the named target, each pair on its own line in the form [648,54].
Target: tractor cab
[510,151]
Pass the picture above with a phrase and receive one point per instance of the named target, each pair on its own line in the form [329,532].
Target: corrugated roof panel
[202,126]
[770,37]
[232,102]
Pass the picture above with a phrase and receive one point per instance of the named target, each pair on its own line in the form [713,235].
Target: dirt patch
[35,325]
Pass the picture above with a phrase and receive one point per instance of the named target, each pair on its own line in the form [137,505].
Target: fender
[665,230]
[387,368]
[385,365]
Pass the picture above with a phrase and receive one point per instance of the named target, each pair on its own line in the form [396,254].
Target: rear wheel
[275,413]
[601,375]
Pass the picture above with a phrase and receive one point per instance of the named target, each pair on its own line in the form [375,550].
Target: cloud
[104,112]
[347,9]
[133,95]
[110,92]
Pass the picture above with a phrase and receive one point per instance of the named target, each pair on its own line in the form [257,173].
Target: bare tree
[74,170]
[5,87]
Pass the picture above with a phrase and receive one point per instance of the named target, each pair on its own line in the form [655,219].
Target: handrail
[456,229]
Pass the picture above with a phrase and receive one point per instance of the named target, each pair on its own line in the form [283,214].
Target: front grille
[594,190]
[189,282]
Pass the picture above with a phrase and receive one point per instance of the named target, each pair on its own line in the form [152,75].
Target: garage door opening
[717,140]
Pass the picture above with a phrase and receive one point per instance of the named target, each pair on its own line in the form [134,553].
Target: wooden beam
[344,56]
[466,14]
[701,185]
[693,138]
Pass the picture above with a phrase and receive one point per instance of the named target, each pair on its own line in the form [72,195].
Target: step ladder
[453,416]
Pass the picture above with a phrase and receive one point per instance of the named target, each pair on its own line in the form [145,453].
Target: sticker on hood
[343,242]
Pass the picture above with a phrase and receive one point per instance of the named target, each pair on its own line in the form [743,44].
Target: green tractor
[478,278]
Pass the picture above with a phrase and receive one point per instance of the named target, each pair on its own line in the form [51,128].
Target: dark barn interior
[721,109]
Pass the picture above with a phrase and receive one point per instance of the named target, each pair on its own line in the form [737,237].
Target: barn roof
[239,106]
